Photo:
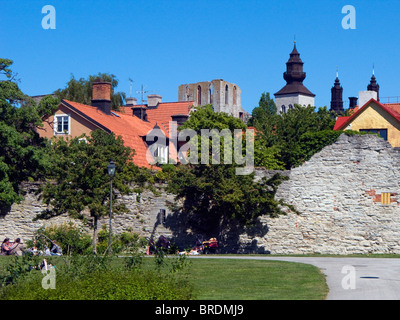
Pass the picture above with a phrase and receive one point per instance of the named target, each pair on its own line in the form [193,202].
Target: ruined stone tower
[223,95]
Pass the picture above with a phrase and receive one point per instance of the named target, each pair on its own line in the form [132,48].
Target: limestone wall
[339,194]
[347,195]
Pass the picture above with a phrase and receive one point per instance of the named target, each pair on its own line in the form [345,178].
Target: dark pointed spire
[373,85]
[337,96]
[294,75]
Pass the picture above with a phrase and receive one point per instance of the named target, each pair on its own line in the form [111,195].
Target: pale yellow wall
[78,125]
[374,117]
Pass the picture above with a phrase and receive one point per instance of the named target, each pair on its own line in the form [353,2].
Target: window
[161,154]
[290,106]
[382,132]
[61,124]
[283,109]
[226,94]
[234,96]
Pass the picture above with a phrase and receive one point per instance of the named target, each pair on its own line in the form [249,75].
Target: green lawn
[230,279]
[238,279]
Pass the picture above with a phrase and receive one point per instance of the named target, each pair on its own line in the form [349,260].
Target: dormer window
[62,124]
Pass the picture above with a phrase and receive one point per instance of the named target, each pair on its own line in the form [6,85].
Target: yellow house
[374,117]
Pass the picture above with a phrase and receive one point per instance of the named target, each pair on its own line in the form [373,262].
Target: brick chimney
[101,96]
[153,100]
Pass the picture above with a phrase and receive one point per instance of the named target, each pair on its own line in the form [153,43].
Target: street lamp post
[111,172]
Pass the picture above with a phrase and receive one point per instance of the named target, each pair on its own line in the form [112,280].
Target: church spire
[337,95]
[373,85]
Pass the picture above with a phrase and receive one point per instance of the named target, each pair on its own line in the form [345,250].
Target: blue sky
[162,44]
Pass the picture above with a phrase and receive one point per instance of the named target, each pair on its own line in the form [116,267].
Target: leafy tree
[81,90]
[22,151]
[282,133]
[79,180]
[215,199]
[212,196]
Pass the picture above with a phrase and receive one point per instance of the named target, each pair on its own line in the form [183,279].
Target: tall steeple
[337,96]
[294,92]
[373,86]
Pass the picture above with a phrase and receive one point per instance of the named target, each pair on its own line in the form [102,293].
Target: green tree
[81,90]
[212,196]
[78,178]
[282,134]
[22,152]
[214,199]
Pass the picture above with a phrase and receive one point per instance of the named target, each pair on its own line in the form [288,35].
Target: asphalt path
[349,278]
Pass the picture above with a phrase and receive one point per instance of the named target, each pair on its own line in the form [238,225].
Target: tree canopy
[213,197]
[81,90]
[284,135]
[22,151]
[78,181]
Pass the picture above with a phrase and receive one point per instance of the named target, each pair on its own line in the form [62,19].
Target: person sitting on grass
[55,249]
[5,247]
[17,248]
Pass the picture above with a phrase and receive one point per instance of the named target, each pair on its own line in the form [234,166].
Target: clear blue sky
[162,44]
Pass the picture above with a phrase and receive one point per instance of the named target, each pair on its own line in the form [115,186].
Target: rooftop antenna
[142,92]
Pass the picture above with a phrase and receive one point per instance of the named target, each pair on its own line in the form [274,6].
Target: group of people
[17,248]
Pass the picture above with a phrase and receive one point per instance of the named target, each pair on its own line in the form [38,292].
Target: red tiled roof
[130,128]
[392,109]
[162,115]
[394,106]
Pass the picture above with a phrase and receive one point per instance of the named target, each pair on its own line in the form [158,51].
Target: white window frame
[161,154]
[56,120]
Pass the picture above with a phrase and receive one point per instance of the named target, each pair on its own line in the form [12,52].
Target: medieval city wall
[347,197]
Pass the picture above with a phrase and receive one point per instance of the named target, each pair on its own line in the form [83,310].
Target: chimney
[140,112]
[365,96]
[153,100]
[101,96]
[131,102]
[353,102]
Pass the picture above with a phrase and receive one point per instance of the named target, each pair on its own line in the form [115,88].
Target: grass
[218,279]
[238,279]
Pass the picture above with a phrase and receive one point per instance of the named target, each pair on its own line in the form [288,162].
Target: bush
[72,239]
[108,285]
[94,278]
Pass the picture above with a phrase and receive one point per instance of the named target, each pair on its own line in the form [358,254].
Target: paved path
[350,278]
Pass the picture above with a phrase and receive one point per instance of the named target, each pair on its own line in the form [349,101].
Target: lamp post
[111,173]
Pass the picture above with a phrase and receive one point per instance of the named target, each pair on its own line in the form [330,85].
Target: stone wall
[143,217]
[340,194]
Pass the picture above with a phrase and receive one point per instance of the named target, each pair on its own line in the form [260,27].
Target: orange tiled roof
[162,115]
[130,128]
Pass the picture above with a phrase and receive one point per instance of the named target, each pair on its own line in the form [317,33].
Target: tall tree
[78,179]
[81,90]
[22,152]
[213,197]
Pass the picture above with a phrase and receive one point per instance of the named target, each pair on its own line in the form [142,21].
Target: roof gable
[343,122]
